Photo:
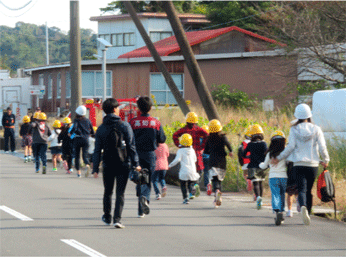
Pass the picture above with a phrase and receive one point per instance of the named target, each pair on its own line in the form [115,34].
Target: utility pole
[191,62]
[47,49]
[75,58]
[160,65]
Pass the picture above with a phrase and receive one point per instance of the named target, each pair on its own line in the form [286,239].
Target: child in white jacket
[55,147]
[277,174]
[188,172]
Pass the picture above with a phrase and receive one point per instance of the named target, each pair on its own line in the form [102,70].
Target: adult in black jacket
[8,121]
[80,133]
[113,166]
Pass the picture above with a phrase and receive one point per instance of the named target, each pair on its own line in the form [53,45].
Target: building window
[50,87]
[41,82]
[129,39]
[106,37]
[68,85]
[117,39]
[157,36]
[58,81]
[161,91]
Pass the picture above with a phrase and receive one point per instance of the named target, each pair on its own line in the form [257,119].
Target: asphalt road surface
[60,215]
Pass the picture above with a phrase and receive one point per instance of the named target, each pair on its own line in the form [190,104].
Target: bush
[231,98]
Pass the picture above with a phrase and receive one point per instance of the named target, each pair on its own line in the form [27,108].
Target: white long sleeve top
[53,138]
[275,171]
[306,142]
[91,148]
[187,158]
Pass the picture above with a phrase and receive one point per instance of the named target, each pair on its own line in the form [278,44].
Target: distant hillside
[25,45]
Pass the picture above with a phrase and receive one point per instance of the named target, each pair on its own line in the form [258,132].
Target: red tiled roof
[169,45]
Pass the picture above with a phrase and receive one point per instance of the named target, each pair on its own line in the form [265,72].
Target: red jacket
[197,133]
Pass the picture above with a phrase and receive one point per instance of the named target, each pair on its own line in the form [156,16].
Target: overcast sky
[54,12]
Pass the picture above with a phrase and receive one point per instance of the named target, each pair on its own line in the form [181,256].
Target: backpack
[115,142]
[240,154]
[326,189]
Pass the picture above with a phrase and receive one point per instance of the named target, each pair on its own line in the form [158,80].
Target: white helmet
[302,112]
[81,110]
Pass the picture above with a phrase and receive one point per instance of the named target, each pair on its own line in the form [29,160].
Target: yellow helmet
[206,128]
[278,134]
[42,116]
[214,126]
[191,117]
[95,128]
[57,124]
[26,119]
[36,115]
[256,129]
[247,131]
[67,120]
[186,140]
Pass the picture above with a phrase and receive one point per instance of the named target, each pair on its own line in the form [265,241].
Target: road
[66,212]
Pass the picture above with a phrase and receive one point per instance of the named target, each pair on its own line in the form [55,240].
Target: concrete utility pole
[160,65]
[47,46]
[75,59]
[191,62]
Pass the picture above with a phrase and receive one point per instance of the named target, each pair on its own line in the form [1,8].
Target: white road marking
[15,214]
[82,248]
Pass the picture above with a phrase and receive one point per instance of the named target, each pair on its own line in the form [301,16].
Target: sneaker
[191,196]
[25,159]
[55,169]
[218,198]
[279,218]
[44,170]
[164,191]
[193,191]
[158,197]
[29,158]
[79,175]
[289,214]
[141,215]
[37,171]
[215,205]
[209,189]
[68,172]
[305,215]
[249,185]
[197,190]
[259,202]
[6,151]
[71,170]
[118,225]
[186,201]
[107,220]
[144,205]
[87,172]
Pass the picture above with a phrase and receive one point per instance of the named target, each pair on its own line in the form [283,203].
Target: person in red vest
[197,134]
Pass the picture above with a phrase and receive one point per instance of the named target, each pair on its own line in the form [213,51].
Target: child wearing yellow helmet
[257,147]
[215,147]
[26,138]
[277,174]
[244,162]
[55,145]
[207,181]
[66,147]
[188,175]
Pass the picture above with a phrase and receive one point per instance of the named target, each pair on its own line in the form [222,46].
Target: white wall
[21,84]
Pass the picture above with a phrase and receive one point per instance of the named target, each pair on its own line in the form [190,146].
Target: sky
[55,12]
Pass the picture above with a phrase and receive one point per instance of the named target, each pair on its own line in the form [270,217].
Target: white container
[329,110]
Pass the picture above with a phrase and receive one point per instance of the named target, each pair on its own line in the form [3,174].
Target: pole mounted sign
[37,90]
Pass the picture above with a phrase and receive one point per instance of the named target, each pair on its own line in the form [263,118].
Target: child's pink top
[162,153]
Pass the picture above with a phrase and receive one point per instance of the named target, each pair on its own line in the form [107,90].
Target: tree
[316,31]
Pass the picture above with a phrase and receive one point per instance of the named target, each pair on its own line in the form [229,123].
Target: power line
[16,16]
[15,9]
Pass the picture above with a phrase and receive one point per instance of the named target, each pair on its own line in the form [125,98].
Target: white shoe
[158,197]
[289,214]
[305,215]
[118,225]
[141,216]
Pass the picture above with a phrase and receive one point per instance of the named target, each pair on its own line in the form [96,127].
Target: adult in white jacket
[187,158]
[306,143]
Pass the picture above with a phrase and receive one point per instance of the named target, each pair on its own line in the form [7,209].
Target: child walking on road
[188,173]
[162,153]
[40,133]
[257,148]
[55,146]
[67,147]
[277,174]
[215,147]
[26,138]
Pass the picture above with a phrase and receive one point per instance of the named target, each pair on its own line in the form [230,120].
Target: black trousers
[120,174]
[9,134]
[78,143]
[216,184]
[305,178]
[189,184]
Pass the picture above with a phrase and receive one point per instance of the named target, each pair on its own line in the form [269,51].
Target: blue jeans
[206,171]
[147,160]
[278,188]
[40,153]
[159,177]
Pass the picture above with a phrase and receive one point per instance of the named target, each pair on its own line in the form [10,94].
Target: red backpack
[325,188]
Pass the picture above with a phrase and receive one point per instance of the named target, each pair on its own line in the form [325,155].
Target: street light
[105,44]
